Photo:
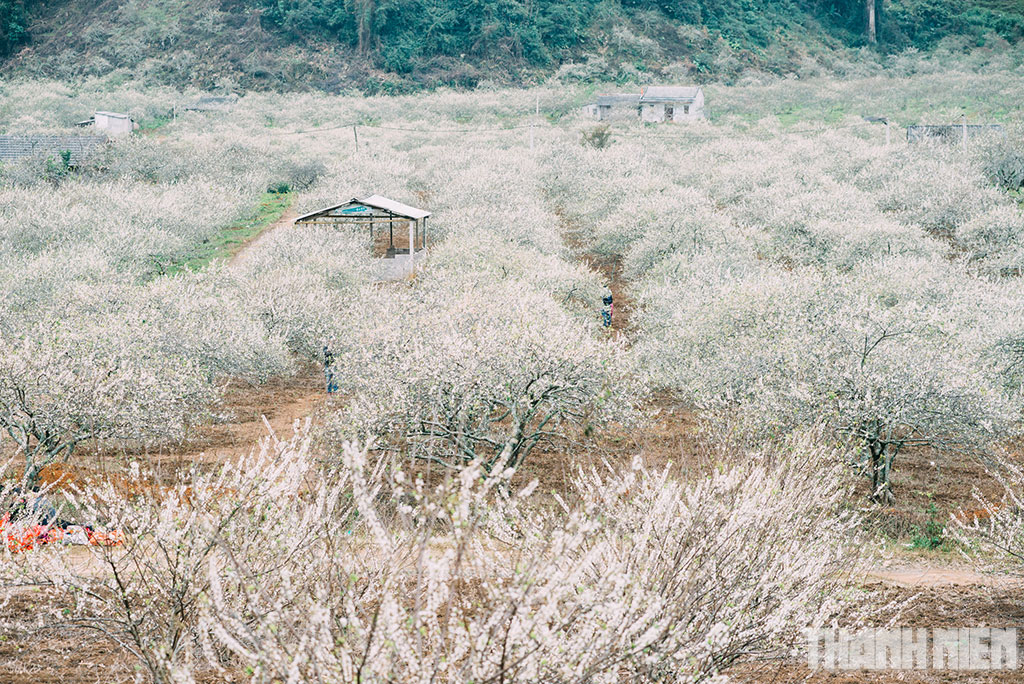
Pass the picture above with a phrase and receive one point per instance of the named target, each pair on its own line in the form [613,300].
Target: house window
[686,109]
[669,113]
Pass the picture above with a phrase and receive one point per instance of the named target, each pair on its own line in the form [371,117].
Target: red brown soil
[670,439]
[930,487]
[940,606]
[32,654]
[609,266]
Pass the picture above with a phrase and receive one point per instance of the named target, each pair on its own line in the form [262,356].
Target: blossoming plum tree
[464,380]
[59,387]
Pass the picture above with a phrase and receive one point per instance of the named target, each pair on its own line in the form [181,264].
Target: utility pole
[355,134]
[963,119]
[882,120]
[536,113]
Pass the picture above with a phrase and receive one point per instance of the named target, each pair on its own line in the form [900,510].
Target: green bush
[932,535]
[13,25]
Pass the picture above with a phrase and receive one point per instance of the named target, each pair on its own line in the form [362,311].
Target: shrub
[298,176]
[598,137]
[1004,166]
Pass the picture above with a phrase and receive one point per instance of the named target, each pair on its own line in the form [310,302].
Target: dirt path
[935,575]
[608,266]
[285,222]
[282,402]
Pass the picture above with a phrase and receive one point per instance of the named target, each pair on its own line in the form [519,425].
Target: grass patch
[155,122]
[232,239]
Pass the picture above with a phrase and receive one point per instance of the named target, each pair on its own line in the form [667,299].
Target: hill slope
[398,45]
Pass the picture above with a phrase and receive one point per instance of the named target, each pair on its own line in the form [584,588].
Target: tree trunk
[882,456]
[32,470]
[888,454]
[364,24]
[871,18]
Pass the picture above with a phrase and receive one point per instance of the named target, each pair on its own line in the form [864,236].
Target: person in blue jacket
[332,382]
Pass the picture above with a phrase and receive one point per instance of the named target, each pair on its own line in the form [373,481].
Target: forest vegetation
[394,46]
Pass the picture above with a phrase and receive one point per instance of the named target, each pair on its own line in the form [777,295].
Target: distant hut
[212,103]
[111,123]
[671,103]
[79,148]
[380,217]
[611,107]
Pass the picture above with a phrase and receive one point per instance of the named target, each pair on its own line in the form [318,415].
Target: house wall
[113,126]
[652,113]
[695,111]
[622,112]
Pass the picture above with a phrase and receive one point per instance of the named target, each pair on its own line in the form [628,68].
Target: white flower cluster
[357,571]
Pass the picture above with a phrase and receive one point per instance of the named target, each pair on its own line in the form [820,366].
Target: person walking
[332,382]
[609,307]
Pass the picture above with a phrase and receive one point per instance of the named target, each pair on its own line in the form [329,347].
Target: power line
[446,130]
[767,135]
[681,136]
[358,124]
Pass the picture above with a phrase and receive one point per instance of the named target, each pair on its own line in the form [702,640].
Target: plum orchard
[829,281]
[824,279]
[494,348]
[779,286]
[458,372]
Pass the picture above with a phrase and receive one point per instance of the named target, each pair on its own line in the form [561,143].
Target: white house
[671,103]
[113,124]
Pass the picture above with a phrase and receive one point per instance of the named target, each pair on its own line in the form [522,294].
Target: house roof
[357,207]
[114,115]
[208,102]
[80,146]
[612,100]
[656,94]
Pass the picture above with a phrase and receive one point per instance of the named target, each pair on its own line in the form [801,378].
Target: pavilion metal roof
[655,94]
[350,209]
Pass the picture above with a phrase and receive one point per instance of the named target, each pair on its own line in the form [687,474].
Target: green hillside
[400,45]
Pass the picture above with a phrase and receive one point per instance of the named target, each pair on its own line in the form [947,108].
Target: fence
[950,132]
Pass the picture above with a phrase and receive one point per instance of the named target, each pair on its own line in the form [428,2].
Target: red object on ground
[26,537]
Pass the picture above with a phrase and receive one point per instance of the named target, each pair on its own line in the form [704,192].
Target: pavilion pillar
[412,247]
